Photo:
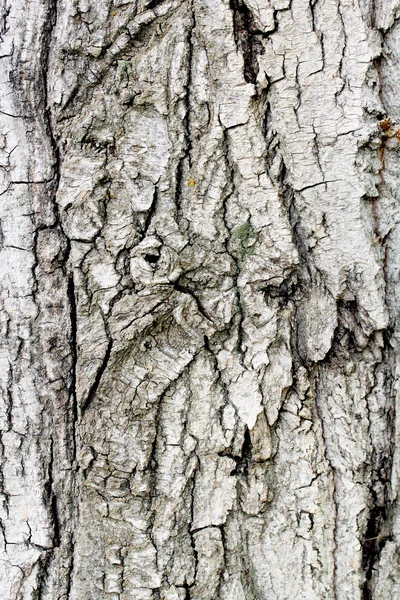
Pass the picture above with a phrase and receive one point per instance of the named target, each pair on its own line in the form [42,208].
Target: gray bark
[199,300]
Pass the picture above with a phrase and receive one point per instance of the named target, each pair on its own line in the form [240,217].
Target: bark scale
[199,300]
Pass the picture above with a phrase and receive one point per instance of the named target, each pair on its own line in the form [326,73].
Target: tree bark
[200,300]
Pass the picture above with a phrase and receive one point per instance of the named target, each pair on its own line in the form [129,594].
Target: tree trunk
[199,300]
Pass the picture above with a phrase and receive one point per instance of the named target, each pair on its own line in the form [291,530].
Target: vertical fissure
[74,352]
[247,38]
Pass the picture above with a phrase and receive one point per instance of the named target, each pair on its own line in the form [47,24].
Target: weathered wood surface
[199,270]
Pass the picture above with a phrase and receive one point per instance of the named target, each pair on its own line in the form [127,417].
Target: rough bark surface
[199,299]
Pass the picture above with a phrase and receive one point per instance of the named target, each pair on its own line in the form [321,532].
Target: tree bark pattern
[199,291]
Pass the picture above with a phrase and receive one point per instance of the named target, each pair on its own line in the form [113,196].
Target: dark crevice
[72,390]
[284,292]
[151,258]
[151,212]
[95,385]
[247,448]
[52,498]
[237,459]
[185,290]
[178,187]
[187,586]
[244,460]
[247,38]
[189,88]
[152,4]
[43,575]
[374,542]
[288,197]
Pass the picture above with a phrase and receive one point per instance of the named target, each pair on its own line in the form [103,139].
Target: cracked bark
[199,293]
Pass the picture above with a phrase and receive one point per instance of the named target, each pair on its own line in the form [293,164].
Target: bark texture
[199,299]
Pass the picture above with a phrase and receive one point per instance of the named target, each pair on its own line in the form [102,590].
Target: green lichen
[125,69]
[247,240]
